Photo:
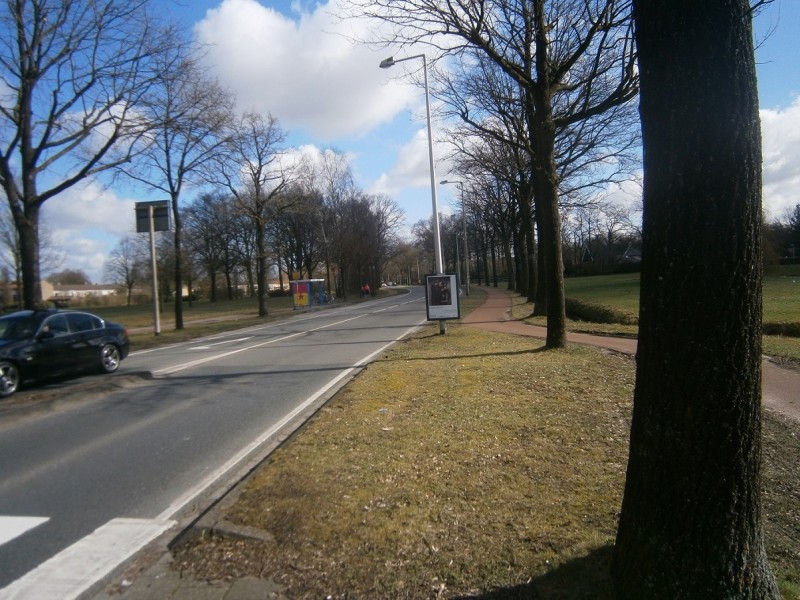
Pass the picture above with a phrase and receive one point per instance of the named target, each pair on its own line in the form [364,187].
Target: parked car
[36,345]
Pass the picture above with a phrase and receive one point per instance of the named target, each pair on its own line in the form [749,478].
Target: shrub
[784,329]
[581,310]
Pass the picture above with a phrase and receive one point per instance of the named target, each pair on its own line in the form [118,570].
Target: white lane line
[187,497]
[11,527]
[72,571]
[200,361]
[207,346]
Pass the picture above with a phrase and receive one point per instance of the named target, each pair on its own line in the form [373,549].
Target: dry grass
[454,464]
[462,465]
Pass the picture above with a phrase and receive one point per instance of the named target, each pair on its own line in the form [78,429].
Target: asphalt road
[92,481]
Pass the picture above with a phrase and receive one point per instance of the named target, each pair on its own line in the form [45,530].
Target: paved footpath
[780,386]
[153,578]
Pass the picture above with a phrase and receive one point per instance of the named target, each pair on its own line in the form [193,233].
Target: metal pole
[437,243]
[464,223]
[156,313]
[458,258]
[466,246]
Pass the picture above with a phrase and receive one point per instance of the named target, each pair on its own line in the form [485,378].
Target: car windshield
[18,327]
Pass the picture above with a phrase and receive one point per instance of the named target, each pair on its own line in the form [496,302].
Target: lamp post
[437,244]
[464,222]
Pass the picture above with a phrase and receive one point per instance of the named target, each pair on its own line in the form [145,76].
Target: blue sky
[294,60]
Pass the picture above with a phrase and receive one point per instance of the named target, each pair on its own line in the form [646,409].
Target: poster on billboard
[441,297]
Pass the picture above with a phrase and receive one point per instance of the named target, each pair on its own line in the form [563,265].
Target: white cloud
[780,134]
[412,166]
[304,70]
[86,223]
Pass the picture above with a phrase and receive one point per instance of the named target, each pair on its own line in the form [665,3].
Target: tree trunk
[520,263]
[212,278]
[530,246]
[553,271]
[27,224]
[495,282]
[545,182]
[509,260]
[229,282]
[261,270]
[690,525]
[540,302]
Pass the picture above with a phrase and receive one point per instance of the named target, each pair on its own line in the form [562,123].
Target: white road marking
[208,346]
[72,571]
[11,527]
[193,363]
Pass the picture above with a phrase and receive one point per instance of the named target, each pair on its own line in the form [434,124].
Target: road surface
[87,485]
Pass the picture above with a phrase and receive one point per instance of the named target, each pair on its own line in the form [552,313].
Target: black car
[41,344]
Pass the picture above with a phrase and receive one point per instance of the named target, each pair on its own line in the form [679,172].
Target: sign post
[152,217]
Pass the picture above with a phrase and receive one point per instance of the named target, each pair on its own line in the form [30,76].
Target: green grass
[781,291]
[782,298]
[620,293]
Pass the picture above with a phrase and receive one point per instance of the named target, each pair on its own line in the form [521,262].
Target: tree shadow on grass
[584,578]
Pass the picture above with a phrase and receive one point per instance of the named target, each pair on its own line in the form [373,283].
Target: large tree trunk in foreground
[691,518]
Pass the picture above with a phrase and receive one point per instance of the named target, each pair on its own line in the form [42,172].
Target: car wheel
[109,358]
[9,379]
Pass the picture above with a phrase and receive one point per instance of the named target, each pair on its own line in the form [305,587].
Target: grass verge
[461,465]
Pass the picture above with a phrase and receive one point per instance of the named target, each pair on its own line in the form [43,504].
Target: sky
[295,60]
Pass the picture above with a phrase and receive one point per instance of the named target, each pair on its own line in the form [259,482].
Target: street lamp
[437,244]
[464,221]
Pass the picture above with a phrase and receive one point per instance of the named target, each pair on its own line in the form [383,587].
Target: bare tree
[72,75]
[295,232]
[334,181]
[691,523]
[384,237]
[572,60]
[211,229]
[11,254]
[69,277]
[590,154]
[189,117]
[328,178]
[9,250]
[127,265]
[364,241]
[499,181]
[253,172]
